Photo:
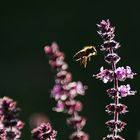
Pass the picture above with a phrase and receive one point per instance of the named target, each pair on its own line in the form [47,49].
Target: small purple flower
[122,73]
[58,63]
[48,50]
[80,135]
[104,25]
[115,124]
[69,106]
[105,75]
[76,88]
[77,122]
[73,106]
[51,50]
[60,106]
[63,77]
[125,90]
[69,90]
[105,30]
[129,73]
[112,92]
[112,58]
[110,44]
[120,108]
[80,88]
[43,132]
[56,92]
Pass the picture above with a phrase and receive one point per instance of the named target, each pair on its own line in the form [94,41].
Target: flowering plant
[65,90]
[10,125]
[115,74]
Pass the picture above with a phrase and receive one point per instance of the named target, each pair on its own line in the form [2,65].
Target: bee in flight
[85,55]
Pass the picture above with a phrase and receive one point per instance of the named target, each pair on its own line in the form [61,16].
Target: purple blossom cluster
[115,74]
[10,125]
[43,132]
[65,90]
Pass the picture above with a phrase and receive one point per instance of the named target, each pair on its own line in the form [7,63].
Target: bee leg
[94,53]
[85,61]
[89,58]
[82,61]
[85,64]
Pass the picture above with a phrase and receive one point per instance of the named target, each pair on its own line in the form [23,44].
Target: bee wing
[79,55]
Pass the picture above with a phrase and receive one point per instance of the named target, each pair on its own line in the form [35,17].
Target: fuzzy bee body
[85,55]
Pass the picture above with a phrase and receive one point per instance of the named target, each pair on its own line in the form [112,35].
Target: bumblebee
[85,55]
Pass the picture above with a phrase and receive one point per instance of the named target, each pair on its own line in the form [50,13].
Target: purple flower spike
[65,90]
[44,132]
[9,113]
[105,75]
[116,74]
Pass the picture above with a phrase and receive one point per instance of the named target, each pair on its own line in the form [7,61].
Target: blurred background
[27,26]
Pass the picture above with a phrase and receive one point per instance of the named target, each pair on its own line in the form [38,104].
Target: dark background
[27,26]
